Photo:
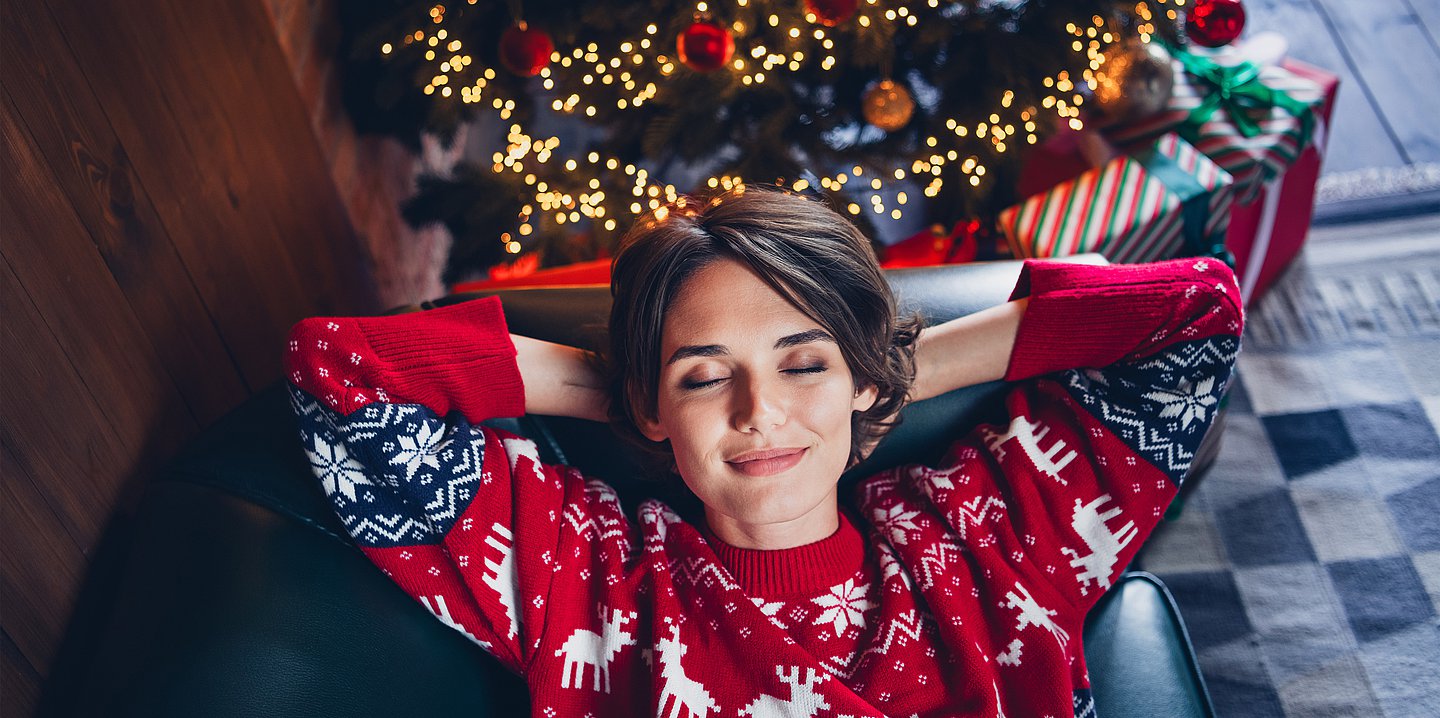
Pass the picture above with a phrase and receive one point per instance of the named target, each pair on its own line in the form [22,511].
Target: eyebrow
[715,350]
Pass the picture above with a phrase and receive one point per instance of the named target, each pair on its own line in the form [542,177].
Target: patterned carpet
[1307,562]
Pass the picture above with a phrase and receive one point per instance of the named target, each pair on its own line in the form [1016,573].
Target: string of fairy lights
[527,156]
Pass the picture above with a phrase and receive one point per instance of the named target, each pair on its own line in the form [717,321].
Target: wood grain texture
[97,404]
[1399,64]
[93,171]
[373,174]
[222,127]
[168,215]
[1359,137]
[42,564]
[1428,12]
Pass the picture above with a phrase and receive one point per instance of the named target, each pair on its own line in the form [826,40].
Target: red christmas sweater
[956,590]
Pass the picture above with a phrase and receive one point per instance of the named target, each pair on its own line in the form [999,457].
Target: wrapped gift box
[933,246]
[1252,120]
[1266,234]
[596,271]
[1160,201]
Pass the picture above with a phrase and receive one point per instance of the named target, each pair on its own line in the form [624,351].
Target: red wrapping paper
[1293,198]
[593,272]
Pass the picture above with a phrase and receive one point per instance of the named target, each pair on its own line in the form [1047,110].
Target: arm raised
[559,380]
[969,350]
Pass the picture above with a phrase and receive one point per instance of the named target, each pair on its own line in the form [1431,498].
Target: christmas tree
[612,110]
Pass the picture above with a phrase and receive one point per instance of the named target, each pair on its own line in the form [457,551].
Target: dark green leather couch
[234,591]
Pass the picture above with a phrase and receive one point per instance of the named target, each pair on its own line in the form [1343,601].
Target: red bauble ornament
[525,50]
[705,46]
[832,12]
[1213,23]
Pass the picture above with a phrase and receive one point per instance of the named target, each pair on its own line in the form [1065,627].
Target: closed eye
[711,382]
[807,370]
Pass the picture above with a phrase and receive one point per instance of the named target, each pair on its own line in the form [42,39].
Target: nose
[758,405]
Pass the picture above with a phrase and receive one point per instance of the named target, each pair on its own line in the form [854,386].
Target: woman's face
[755,399]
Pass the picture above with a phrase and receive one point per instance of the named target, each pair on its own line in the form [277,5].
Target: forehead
[727,298]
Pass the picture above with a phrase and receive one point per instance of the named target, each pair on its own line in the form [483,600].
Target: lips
[768,461]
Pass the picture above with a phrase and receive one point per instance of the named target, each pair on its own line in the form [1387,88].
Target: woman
[755,352]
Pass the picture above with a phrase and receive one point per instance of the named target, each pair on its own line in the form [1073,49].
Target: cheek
[833,404]
[694,427]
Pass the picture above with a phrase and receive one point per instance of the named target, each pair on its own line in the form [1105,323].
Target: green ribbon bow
[1239,90]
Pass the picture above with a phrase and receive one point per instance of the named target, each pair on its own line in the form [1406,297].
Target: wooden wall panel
[1396,57]
[90,392]
[93,172]
[1367,142]
[167,214]
[61,434]
[212,151]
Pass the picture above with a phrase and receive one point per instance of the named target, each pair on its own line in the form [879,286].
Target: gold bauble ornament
[888,105]
[1136,81]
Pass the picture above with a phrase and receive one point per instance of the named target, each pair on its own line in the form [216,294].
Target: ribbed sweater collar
[806,570]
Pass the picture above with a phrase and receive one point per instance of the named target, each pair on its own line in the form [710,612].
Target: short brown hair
[804,250]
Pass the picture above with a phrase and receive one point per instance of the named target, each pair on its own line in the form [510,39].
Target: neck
[818,523]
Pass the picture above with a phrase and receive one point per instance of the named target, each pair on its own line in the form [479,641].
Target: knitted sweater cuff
[458,356]
[1091,316]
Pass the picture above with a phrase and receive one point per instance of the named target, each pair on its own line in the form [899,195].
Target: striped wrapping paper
[1251,161]
[1156,203]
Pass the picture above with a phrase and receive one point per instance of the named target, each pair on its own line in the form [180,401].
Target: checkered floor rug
[1307,562]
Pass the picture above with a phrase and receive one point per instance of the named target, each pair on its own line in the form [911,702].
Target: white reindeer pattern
[585,647]
[1105,546]
[1032,614]
[679,690]
[1028,436]
[804,701]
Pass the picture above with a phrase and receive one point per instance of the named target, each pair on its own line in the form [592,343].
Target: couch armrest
[1139,655]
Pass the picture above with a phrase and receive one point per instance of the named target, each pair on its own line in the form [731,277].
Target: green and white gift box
[1159,201]
[1253,120]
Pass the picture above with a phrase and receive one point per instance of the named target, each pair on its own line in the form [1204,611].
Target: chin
[774,505]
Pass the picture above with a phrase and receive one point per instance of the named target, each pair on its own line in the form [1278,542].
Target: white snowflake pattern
[844,606]
[338,472]
[899,522]
[1188,401]
[420,449]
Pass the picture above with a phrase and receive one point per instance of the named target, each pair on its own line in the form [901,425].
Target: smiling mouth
[768,463]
